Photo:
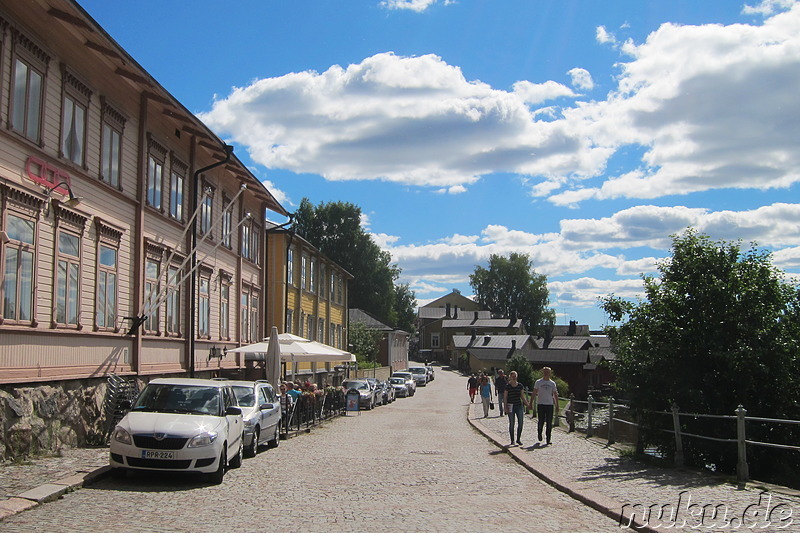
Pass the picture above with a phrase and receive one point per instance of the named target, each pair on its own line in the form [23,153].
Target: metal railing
[598,413]
[312,409]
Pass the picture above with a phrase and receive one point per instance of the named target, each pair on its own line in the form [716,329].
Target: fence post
[571,413]
[676,423]
[589,416]
[742,470]
[611,420]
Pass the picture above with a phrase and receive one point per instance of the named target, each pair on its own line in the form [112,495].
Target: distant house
[475,326]
[578,360]
[393,347]
[430,345]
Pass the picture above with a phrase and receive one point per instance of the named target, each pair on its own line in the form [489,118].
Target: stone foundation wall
[41,419]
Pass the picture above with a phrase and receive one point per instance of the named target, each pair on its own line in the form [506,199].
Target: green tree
[525,373]
[511,287]
[719,328]
[405,305]
[334,228]
[365,342]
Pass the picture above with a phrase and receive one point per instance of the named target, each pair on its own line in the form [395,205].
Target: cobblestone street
[414,465]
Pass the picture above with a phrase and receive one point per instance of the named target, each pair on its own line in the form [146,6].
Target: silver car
[400,387]
[261,412]
[420,374]
[411,383]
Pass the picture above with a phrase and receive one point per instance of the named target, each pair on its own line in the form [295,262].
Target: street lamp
[72,201]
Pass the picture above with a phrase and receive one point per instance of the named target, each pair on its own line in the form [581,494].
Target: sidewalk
[635,493]
[32,482]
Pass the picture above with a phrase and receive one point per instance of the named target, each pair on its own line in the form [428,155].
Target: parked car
[375,384]
[411,383]
[180,425]
[387,391]
[431,375]
[261,414]
[420,374]
[399,386]
[365,391]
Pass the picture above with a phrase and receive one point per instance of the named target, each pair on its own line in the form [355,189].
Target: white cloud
[536,93]
[584,292]
[581,78]
[603,36]
[411,5]
[768,7]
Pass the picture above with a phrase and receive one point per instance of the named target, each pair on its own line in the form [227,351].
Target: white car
[261,414]
[180,425]
[411,383]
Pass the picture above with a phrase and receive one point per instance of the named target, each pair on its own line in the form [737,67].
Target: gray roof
[441,312]
[559,356]
[359,315]
[600,354]
[485,342]
[600,341]
[569,343]
[482,323]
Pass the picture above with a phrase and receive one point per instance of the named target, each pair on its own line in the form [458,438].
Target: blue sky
[581,133]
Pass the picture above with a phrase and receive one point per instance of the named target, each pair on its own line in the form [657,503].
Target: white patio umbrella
[272,361]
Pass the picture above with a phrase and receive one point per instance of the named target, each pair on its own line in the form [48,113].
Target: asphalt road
[414,465]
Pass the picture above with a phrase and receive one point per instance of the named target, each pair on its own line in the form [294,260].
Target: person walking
[485,388]
[546,399]
[500,383]
[472,387]
[514,406]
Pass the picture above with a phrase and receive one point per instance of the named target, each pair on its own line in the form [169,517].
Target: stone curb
[50,491]
[607,506]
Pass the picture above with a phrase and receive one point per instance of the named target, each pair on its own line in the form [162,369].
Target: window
[303,268]
[173,317]
[152,272]
[18,270]
[322,279]
[106,287]
[435,340]
[332,292]
[206,205]
[290,267]
[26,103]
[339,283]
[254,317]
[68,278]
[111,145]
[176,185]
[227,221]
[289,320]
[245,244]
[155,180]
[203,306]
[321,333]
[255,235]
[311,277]
[73,130]
[224,307]
[310,324]
[244,313]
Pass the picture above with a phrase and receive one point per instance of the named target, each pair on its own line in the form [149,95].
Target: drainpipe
[193,278]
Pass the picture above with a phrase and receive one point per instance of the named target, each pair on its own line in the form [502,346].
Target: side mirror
[233,411]
[266,407]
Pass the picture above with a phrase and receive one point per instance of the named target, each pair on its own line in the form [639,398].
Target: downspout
[193,278]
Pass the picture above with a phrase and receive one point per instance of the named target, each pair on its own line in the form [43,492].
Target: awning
[296,349]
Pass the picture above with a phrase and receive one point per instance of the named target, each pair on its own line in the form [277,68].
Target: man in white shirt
[546,400]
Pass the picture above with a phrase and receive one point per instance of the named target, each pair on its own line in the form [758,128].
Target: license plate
[157,454]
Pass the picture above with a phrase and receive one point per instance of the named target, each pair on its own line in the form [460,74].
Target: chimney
[474,334]
[513,344]
[486,340]
[573,328]
[447,311]
[455,312]
[476,317]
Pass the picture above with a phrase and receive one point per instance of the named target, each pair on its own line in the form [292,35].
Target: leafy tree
[525,374]
[405,304]
[365,343]
[511,288]
[719,328]
[334,228]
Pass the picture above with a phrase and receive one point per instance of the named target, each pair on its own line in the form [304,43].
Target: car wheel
[276,439]
[236,462]
[216,477]
[252,450]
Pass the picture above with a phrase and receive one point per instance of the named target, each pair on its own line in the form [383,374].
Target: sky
[584,134]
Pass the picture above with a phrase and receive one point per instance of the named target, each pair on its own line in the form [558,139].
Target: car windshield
[398,381]
[245,395]
[358,385]
[186,399]
[418,371]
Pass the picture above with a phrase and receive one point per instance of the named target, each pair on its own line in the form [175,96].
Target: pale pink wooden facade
[75,107]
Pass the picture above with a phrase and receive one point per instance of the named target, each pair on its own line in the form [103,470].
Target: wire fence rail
[589,415]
